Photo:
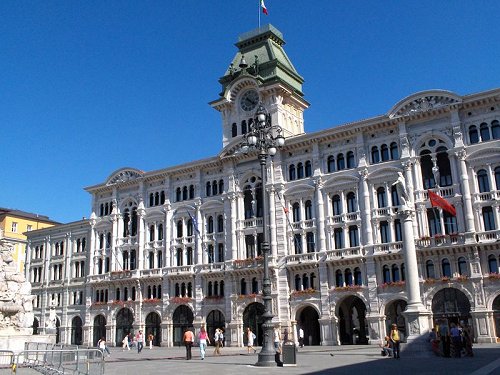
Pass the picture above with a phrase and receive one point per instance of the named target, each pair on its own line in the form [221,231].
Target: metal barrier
[53,359]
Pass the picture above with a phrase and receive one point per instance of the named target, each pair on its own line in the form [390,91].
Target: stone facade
[355,243]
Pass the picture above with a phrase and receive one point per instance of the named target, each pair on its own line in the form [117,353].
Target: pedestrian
[467,340]
[150,340]
[301,337]
[188,342]
[125,343]
[250,339]
[131,340]
[386,347]
[203,340]
[140,341]
[456,341]
[277,340]
[217,341]
[221,337]
[285,335]
[395,340]
[102,345]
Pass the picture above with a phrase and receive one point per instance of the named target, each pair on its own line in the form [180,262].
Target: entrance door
[99,328]
[215,319]
[76,331]
[308,320]
[352,321]
[252,317]
[124,321]
[394,315]
[183,318]
[450,305]
[153,326]
[496,316]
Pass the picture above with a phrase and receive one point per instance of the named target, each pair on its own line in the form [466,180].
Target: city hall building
[355,242]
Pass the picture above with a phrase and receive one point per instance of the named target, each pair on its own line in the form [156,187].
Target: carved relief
[123,176]
[423,104]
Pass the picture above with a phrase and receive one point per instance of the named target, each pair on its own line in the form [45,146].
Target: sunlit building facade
[180,246]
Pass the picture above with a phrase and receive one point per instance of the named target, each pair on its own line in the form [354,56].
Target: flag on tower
[438,201]
[263,6]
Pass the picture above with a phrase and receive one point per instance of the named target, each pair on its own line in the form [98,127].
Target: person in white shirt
[301,337]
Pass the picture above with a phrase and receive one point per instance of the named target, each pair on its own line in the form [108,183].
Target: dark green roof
[266,59]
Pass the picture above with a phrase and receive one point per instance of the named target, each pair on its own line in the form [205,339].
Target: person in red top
[188,341]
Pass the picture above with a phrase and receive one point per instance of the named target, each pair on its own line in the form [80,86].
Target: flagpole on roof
[258,10]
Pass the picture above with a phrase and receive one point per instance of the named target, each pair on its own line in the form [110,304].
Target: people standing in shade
[456,341]
[125,344]
[204,341]
[102,345]
[217,341]
[277,340]
[250,339]
[188,342]
[301,337]
[395,340]
[150,340]
[140,341]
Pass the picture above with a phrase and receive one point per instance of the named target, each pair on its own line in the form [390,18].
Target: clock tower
[260,72]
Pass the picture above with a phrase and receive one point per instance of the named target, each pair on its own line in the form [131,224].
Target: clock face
[249,100]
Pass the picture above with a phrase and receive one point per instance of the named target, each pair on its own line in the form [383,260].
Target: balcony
[350,252]
[123,274]
[211,267]
[151,272]
[302,258]
[342,218]
[445,192]
[487,196]
[252,222]
[304,224]
[387,248]
[154,244]
[384,211]
[127,241]
[490,236]
[180,270]
[440,240]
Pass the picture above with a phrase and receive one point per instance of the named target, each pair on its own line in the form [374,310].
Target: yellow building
[13,226]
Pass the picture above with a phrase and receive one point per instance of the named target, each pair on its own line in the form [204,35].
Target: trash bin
[289,354]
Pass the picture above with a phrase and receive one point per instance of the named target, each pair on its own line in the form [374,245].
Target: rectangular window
[14,227]
[384,232]
[29,228]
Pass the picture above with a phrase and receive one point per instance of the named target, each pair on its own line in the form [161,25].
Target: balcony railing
[344,253]
[342,218]
[490,236]
[210,267]
[441,240]
[385,248]
[127,241]
[151,272]
[252,222]
[302,258]
[486,196]
[179,270]
[445,192]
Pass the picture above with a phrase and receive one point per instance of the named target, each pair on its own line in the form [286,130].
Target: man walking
[140,341]
[188,341]
[301,337]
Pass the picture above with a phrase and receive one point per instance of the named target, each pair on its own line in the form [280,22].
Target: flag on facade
[195,223]
[285,209]
[263,6]
[438,201]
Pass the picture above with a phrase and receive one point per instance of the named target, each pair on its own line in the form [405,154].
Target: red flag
[263,6]
[438,201]
[285,209]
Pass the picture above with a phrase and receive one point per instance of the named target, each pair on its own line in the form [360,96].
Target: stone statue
[51,321]
[16,301]
[400,185]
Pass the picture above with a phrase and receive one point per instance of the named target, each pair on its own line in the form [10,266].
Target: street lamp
[266,139]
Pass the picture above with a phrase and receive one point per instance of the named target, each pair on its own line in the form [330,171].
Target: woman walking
[203,340]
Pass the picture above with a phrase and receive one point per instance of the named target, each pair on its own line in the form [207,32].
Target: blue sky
[88,87]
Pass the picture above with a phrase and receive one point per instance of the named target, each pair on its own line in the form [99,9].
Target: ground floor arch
[308,319]
[99,329]
[153,326]
[352,324]
[496,316]
[182,319]
[215,319]
[252,317]
[394,315]
[450,305]
[76,331]
[124,320]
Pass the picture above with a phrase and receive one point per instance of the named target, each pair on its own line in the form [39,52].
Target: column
[272,222]
[141,213]
[320,214]
[367,238]
[464,186]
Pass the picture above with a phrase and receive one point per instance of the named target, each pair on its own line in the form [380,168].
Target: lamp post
[266,139]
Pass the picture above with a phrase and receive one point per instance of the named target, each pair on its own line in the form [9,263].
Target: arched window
[338,237]
[101,243]
[117,294]
[305,281]
[353,236]
[189,256]
[308,210]
[384,232]
[495,129]
[485,132]
[183,289]
[497,177]
[216,288]
[336,205]
[208,189]
[184,193]
[159,259]
[330,164]
[381,198]
[297,282]
[157,199]
[101,210]
[348,277]
[291,172]
[395,273]
[191,191]
[210,251]
[209,289]
[429,269]
[234,130]
[210,224]
[340,162]
[296,212]
[375,155]
[482,181]
[462,267]
[221,186]
[308,169]
[434,222]
[339,278]
[133,259]
[177,290]
[300,171]
[446,267]
[220,223]
[243,127]
[473,134]
[214,188]
[151,200]
[162,197]
[384,150]
[386,274]
[357,277]
[351,202]
[243,287]
[179,229]
[255,286]
[350,160]
[444,167]
[221,288]
[178,194]
[160,232]
[394,196]
[492,264]
[394,151]
[403,272]
[311,246]
[426,167]
[398,233]
[488,218]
